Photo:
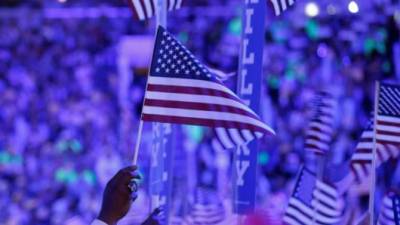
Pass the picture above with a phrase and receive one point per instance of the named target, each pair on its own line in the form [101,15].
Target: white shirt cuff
[98,222]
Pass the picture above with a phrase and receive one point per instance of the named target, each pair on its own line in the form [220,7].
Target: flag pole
[140,130]
[161,14]
[373,169]
[137,145]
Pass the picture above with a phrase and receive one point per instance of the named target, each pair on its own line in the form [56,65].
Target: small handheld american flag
[145,9]
[388,119]
[320,131]
[390,210]
[361,160]
[281,5]
[387,134]
[206,209]
[313,202]
[181,90]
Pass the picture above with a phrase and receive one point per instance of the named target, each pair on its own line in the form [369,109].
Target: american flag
[320,131]
[313,201]
[281,5]
[206,209]
[181,90]
[387,134]
[206,214]
[390,210]
[361,160]
[145,9]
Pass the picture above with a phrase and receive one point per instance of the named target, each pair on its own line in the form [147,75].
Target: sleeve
[98,222]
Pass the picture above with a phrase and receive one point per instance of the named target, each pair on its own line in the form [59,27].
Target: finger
[158,214]
[128,185]
[136,175]
[133,186]
[125,170]
[161,217]
[134,196]
[127,176]
[125,193]
[129,168]
[157,210]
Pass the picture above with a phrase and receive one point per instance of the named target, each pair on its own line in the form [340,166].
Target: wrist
[107,219]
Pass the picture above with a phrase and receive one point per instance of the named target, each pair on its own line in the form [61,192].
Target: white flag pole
[137,145]
[140,129]
[373,169]
[161,15]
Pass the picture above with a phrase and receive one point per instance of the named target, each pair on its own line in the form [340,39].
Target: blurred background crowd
[64,130]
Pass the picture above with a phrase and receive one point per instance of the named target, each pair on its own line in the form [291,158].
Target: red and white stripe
[388,210]
[281,5]
[320,131]
[326,207]
[146,9]
[387,144]
[206,214]
[204,103]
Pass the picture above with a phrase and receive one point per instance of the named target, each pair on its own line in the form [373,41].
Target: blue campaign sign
[161,167]
[162,150]
[249,89]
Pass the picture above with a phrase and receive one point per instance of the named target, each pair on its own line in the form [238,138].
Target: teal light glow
[195,133]
[183,37]
[263,158]
[235,26]
[312,29]
[66,176]
[76,146]
[89,177]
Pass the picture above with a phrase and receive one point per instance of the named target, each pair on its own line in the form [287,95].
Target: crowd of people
[60,136]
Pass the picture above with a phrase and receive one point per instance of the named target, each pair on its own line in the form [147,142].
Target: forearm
[98,222]
[107,219]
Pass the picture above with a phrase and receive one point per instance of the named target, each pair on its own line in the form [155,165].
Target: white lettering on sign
[251,1]
[246,88]
[167,128]
[243,150]
[241,168]
[165,176]
[247,59]
[160,139]
[154,156]
[247,56]
[249,14]
[162,134]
